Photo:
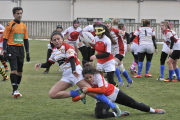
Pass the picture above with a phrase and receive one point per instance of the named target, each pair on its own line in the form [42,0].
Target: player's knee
[121,68]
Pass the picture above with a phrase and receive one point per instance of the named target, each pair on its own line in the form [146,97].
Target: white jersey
[73,34]
[167,35]
[66,51]
[90,29]
[145,35]
[1,29]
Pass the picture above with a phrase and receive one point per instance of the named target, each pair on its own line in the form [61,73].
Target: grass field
[35,103]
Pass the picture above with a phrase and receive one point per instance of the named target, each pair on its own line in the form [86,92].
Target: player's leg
[126,100]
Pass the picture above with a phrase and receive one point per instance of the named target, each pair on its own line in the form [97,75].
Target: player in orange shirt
[15,34]
[99,85]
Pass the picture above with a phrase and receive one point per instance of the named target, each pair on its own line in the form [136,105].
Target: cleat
[176,80]
[6,69]
[167,80]
[148,75]
[5,78]
[159,111]
[117,110]
[174,75]
[125,113]
[16,94]
[83,99]
[120,84]
[132,71]
[46,72]
[135,71]
[137,76]
[129,83]
[160,79]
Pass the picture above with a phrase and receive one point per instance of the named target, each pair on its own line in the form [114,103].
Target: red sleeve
[100,90]
[75,99]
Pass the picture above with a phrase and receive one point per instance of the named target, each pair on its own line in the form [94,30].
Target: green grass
[35,103]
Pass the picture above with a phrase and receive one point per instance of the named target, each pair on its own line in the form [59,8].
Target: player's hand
[156,51]
[79,44]
[85,89]
[82,95]
[5,55]
[37,66]
[128,47]
[93,57]
[27,57]
[76,74]
[170,51]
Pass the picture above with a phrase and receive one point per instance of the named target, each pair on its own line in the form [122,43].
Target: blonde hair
[116,21]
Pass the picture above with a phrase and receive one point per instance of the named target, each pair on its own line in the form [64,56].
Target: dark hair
[145,23]
[90,69]
[59,26]
[107,33]
[75,21]
[16,9]
[55,32]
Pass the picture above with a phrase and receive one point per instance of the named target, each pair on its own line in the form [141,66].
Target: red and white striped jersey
[114,47]
[167,35]
[73,34]
[145,35]
[136,39]
[99,81]
[1,29]
[103,45]
[65,51]
[90,29]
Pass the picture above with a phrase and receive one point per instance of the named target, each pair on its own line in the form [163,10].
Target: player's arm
[6,37]
[154,41]
[100,90]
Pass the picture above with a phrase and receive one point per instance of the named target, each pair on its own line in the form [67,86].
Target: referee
[15,34]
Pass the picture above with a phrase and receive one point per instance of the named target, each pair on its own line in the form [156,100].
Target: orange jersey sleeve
[100,90]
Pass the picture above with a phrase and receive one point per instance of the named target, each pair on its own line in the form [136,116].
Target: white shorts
[134,48]
[113,96]
[49,46]
[146,48]
[73,43]
[70,78]
[107,67]
[165,48]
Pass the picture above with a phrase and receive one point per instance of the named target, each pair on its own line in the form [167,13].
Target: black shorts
[15,57]
[175,54]
[119,56]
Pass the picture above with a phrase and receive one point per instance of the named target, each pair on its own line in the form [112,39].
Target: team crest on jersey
[19,36]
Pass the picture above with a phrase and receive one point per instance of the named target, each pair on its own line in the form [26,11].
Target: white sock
[114,114]
[152,110]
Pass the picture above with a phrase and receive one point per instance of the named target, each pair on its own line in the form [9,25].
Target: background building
[42,16]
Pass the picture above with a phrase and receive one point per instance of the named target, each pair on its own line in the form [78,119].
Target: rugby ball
[87,38]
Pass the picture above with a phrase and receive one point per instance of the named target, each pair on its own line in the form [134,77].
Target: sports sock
[4,64]
[118,75]
[13,78]
[171,74]
[177,73]
[162,68]
[74,93]
[125,74]
[102,98]
[2,73]
[140,66]
[18,80]
[148,64]
[152,110]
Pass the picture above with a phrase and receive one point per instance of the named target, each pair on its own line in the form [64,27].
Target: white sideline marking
[42,76]
[32,61]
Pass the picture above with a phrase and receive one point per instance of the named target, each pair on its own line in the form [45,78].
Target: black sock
[13,78]
[18,80]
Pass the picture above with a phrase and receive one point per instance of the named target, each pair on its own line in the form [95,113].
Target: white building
[131,11]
